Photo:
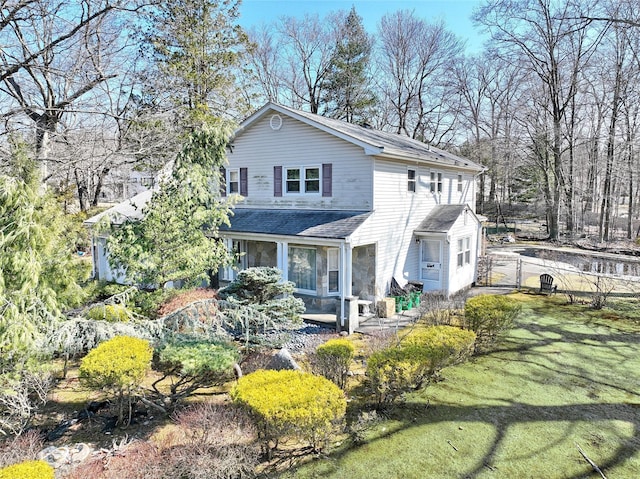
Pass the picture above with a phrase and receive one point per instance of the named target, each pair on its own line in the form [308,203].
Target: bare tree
[415,58]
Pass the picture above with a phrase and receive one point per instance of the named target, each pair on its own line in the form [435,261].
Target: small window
[303,180]
[411,181]
[333,269]
[464,251]
[459,183]
[234,181]
[436,182]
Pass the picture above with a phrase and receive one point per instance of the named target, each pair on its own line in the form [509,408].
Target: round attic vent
[275,122]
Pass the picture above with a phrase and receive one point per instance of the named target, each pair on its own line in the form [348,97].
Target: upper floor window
[234,181]
[302,180]
[459,183]
[411,181]
[436,182]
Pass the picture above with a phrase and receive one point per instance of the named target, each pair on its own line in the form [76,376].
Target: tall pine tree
[176,240]
[348,93]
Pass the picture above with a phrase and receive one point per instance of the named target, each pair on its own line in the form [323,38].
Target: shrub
[196,364]
[185,298]
[118,365]
[22,393]
[420,356]
[21,448]
[291,403]
[28,470]
[112,313]
[333,359]
[218,442]
[489,316]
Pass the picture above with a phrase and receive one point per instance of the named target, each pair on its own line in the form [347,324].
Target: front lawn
[565,377]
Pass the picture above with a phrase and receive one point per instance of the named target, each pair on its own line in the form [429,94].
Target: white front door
[431,264]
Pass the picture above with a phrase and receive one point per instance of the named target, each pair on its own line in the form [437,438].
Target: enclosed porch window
[302,268]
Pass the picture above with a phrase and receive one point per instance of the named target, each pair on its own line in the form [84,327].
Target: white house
[342,210]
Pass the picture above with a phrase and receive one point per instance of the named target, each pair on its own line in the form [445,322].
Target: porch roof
[440,219]
[312,223]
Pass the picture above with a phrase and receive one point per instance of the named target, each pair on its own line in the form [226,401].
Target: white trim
[302,180]
[228,180]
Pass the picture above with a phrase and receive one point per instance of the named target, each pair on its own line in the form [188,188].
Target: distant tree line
[549,105]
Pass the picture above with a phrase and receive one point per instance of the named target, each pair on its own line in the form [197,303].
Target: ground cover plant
[565,376]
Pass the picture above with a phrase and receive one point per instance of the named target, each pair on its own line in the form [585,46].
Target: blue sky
[455,13]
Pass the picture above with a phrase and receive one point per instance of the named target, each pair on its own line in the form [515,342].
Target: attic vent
[275,122]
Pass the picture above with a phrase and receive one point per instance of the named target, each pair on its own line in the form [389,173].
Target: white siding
[398,212]
[460,278]
[296,144]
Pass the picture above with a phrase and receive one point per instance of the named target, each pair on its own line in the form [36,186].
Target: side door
[431,263]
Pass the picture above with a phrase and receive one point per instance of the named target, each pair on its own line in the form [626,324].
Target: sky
[455,13]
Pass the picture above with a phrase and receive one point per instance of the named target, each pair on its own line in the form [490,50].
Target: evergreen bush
[112,313]
[118,365]
[489,316]
[291,404]
[419,357]
[333,359]
[193,364]
[28,470]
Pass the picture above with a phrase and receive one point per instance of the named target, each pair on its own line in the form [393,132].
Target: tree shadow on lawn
[576,375]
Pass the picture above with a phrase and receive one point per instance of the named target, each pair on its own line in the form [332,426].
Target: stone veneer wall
[364,271]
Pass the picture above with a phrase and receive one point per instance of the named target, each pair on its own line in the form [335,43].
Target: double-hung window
[411,180]
[333,269]
[302,180]
[436,182]
[464,251]
[234,181]
[459,183]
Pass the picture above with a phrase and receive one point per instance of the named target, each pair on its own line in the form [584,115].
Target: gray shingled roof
[313,223]
[388,143]
[440,219]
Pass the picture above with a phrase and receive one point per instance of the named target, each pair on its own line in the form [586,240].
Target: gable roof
[307,223]
[128,209]
[374,142]
[442,218]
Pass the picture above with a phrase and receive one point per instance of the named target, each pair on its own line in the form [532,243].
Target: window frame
[302,180]
[412,182]
[231,171]
[460,183]
[464,252]
[435,181]
[314,268]
[335,270]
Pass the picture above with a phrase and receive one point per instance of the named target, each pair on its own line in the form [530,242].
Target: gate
[498,270]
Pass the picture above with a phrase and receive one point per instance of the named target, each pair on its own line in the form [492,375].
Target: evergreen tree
[176,240]
[39,275]
[348,92]
[196,46]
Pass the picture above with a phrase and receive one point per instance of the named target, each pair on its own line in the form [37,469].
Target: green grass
[565,376]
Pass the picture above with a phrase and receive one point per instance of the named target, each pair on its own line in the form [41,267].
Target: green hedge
[333,360]
[291,404]
[111,313]
[393,371]
[489,316]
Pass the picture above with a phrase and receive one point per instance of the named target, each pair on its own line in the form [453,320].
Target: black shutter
[244,182]
[327,186]
[277,181]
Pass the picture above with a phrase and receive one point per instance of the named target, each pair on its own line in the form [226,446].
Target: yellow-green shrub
[420,356]
[291,403]
[109,312]
[118,365]
[489,315]
[28,470]
[333,360]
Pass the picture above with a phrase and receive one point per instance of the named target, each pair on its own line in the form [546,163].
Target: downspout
[343,269]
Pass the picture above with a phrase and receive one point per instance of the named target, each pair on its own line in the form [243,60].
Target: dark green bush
[489,316]
[195,364]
